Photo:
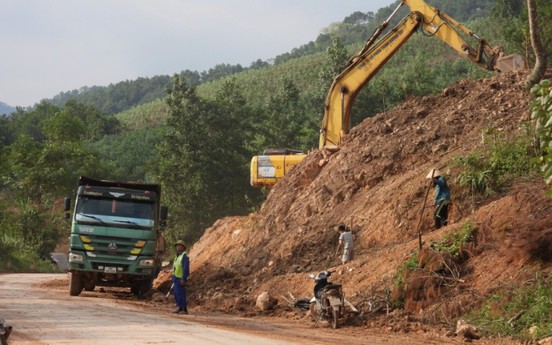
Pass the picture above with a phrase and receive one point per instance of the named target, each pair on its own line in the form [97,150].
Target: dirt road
[43,316]
[49,317]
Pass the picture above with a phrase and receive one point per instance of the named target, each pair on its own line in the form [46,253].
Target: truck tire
[145,286]
[89,286]
[75,284]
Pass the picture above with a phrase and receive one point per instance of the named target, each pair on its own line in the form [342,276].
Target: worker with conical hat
[442,197]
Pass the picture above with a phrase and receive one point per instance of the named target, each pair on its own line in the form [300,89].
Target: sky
[53,46]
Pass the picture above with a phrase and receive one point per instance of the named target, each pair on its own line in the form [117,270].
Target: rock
[158,297]
[265,302]
[440,147]
[466,330]
[242,303]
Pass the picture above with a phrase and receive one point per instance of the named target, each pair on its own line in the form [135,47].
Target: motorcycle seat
[331,287]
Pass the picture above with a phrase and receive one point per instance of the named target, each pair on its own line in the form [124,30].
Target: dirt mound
[376,184]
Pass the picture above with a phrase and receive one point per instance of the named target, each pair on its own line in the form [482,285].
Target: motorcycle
[328,302]
[4,332]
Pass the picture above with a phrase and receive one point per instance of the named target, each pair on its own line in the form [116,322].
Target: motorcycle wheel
[335,317]
[314,313]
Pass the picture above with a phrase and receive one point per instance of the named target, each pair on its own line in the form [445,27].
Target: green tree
[42,171]
[96,123]
[334,60]
[64,127]
[203,157]
[287,123]
[30,123]
[131,155]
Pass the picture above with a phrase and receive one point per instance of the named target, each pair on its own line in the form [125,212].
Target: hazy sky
[50,46]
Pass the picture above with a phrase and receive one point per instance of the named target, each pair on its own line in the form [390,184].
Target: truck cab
[116,237]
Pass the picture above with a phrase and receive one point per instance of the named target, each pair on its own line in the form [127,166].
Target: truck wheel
[89,286]
[75,284]
[135,289]
[145,286]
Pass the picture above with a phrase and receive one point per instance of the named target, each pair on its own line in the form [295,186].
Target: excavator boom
[363,66]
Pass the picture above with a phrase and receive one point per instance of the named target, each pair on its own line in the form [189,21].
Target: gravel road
[41,312]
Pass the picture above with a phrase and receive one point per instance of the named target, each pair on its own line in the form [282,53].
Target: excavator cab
[272,165]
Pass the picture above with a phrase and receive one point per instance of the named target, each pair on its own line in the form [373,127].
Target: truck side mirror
[67,204]
[164,215]
[67,207]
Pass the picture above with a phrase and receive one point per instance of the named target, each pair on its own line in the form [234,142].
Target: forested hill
[195,133]
[354,29]
[6,109]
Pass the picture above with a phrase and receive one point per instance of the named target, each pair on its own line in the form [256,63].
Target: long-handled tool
[168,293]
[419,231]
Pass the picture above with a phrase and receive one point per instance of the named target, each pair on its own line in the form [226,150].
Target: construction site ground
[116,316]
[375,184]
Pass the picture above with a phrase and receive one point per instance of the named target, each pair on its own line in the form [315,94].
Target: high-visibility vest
[177,267]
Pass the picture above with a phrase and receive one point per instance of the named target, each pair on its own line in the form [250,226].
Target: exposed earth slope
[376,184]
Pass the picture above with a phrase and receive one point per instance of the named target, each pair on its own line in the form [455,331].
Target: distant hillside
[353,30]
[6,109]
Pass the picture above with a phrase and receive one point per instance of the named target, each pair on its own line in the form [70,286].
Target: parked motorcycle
[328,301]
[4,332]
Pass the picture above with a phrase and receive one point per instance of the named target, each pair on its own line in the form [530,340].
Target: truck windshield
[125,213]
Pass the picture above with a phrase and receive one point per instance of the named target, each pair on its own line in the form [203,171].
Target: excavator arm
[266,170]
[362,67]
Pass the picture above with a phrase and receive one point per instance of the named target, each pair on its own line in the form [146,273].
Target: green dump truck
[116,237]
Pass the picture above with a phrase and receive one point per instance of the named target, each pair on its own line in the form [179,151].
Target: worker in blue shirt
[181,270]
[442,197]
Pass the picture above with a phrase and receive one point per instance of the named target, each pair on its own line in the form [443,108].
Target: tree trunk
[540,56]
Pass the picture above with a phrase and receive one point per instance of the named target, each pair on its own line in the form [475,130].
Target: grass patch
[505,156]
[524,313]
[454,241]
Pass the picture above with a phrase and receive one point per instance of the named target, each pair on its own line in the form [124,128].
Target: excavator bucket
[510,63]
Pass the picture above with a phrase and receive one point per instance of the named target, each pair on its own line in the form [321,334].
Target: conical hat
[433,173]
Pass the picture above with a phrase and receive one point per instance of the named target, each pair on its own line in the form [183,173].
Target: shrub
[523,312]
[503,157]
[541,107]
[453,241]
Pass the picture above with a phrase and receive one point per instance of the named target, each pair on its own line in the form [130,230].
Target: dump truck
[116,235]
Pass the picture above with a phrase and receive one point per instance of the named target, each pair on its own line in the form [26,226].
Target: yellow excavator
[270,167]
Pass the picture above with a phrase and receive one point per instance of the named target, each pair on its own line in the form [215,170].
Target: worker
[346,240]
[181,270]
[442,197]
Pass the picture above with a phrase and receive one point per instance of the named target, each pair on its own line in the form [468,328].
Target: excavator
[269,168]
